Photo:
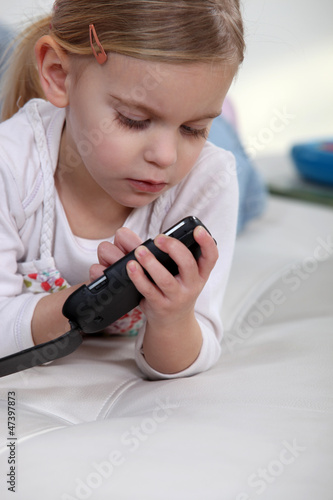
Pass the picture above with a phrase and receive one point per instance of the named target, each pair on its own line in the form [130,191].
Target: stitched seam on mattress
[113,398]
[62,421]
[33,435]
[255,293]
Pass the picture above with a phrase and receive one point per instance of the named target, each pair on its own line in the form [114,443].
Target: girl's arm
[48,321]
[173,337]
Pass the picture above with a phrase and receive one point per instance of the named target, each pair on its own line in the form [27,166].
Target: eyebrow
[152,112]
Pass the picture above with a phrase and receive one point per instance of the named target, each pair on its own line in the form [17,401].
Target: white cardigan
[34,230]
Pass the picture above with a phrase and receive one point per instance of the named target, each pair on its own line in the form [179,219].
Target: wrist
[48,322]
[171,347]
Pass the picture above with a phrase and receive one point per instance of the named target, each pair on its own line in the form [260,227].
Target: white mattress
[257,425]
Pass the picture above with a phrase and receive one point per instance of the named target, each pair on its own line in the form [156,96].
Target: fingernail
[141,251]
[200,230]
[132,266]
[160,240]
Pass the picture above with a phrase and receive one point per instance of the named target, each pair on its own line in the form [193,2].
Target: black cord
[42,353]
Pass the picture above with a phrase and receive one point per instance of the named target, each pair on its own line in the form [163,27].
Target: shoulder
[20,158]
[215,163]
[210,150]
[213,178]
[19,134]
[22,120]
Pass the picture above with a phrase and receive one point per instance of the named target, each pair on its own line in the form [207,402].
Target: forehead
[161,87]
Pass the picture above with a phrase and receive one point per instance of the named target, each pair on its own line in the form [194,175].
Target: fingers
[165,285]
[209,251]
[108,253]
[189,269]
[95,271]
[126,240]
[192,274]
[139,278]
[187,265]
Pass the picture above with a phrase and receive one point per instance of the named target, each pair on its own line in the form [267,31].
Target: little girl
[107,107]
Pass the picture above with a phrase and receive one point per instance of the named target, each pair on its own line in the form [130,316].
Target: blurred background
[283,93]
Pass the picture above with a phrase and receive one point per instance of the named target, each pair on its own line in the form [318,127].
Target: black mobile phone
[93,307]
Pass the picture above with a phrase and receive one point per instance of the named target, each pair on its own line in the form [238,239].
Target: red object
[46,286]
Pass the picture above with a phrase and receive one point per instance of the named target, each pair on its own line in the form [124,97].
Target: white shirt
[34,227]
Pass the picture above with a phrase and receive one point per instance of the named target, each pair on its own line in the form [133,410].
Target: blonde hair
[174,31]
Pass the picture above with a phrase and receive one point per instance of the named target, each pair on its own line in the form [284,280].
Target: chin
[138,200]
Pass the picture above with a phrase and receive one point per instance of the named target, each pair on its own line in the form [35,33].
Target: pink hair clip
[101,56]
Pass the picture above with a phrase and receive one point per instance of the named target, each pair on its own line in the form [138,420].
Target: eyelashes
[195,132]
[131,124]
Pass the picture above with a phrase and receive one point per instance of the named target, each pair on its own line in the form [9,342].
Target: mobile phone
[93,307]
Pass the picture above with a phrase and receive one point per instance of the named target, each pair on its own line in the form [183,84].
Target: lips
[147,186]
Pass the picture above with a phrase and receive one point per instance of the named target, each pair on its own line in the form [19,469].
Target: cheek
[90,127]
[110,153]
[189,155]
[114,146]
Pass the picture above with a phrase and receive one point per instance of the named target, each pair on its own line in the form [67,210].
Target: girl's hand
[173,337]
[172,298]
[108,253]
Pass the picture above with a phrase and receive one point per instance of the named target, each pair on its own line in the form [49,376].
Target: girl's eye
[143,124]
[194,132]
[132,124]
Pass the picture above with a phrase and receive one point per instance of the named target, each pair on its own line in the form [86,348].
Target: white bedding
[258,425]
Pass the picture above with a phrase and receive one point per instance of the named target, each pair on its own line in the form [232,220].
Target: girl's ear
[53,67]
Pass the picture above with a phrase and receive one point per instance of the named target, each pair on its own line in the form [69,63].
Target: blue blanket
[252,190]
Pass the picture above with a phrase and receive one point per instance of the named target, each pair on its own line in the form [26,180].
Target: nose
[161,148]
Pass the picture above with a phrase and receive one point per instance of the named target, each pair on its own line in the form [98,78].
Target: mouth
[147,186]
